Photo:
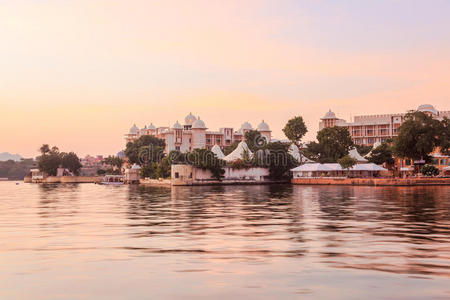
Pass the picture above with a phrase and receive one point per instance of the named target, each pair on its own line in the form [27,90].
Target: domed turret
[190,119]
[177,126]
[245,127]
[263,126]
[329,115]
[428,108]
[198,124]
[151,126]
[134,129]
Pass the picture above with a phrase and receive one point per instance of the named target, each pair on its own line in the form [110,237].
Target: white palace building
[194,134]
[371,129]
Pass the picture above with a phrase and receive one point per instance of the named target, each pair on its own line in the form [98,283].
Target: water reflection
[280,240]
[383,229]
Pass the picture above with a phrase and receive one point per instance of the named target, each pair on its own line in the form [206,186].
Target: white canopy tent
[293,150]
[238,153]
[353,153]
[217,151]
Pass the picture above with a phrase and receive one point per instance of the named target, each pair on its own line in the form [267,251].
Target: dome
[199,124]
[246,126]
[134,129]
[428,108]
[177,126]
[151,126]
[263,126]
[190,119]
[329,115]
[136,167]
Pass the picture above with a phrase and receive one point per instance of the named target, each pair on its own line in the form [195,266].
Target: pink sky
[79,74]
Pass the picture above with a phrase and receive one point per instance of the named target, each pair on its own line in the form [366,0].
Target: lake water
[90,241]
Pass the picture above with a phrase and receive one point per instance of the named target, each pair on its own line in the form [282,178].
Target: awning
[316,167]
[406,169]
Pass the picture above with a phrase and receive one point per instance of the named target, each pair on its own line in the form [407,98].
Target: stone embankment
[66,179]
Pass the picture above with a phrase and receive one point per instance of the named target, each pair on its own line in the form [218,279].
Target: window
[408,162]
[190,175]
[177,175]
[177,148]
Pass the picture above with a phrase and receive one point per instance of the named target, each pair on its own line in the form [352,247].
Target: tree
[417,137]
[71,162]
[382,154]
[206,160]
[45,148]
[114,161]
[255,140]
[295,130]
[363,149]
[16,170]
[227,150]
[49,163]
[347,162]
[444,136]
[276,158]
[145,150]
[429,170]
[333,144]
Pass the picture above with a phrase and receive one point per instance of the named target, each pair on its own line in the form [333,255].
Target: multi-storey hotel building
[194,134]
[369,129]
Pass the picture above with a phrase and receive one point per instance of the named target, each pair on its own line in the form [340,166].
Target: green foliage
[207,160]
[71,162]
[163,168]
[240,164]
[114,161]
[333,144]
[276,158]
[295,130]
[363,150]
[45,148]
[101,172]
[444,136]
[417,136]
[347,162]
[149,170]
[52,159]
[145,150]
[429,170]
[227,150]
[280,161]
[382,154]
[255,140]
[16,170]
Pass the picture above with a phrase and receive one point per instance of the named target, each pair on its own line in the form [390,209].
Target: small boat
[113,180]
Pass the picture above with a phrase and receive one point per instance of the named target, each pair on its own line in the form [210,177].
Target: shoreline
[373,181]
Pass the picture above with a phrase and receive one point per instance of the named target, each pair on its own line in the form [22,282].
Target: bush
[429,170]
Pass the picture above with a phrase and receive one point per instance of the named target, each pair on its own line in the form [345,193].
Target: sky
[79,74]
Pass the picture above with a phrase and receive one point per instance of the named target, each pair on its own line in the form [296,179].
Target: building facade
[194,134]
[370,129]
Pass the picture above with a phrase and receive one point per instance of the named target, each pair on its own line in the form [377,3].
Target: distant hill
[7,156]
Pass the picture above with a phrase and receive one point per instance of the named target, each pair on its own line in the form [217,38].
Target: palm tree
[45,148]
